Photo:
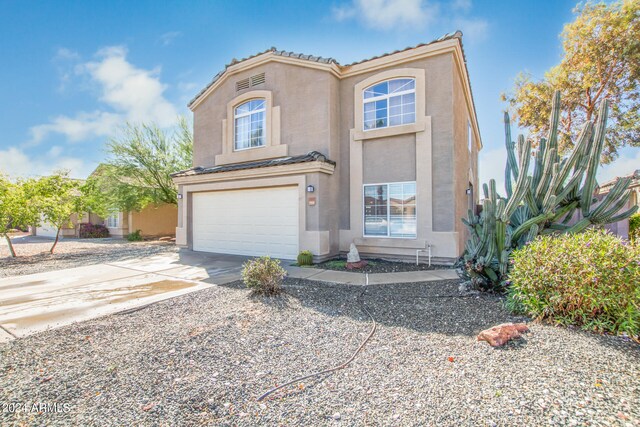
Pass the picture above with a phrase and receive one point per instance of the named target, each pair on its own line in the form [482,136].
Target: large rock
[501,334]
[353,256]
[356,265]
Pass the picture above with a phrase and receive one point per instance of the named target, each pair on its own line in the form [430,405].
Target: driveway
[36,302]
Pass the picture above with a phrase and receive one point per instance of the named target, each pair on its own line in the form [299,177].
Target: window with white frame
[249,124]
[390,210]
[390,103]
[113,220]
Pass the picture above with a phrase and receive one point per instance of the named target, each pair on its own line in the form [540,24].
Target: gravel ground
[33,253]
[381,266]
[203,358]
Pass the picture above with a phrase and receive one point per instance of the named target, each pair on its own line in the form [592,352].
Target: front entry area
[253,222]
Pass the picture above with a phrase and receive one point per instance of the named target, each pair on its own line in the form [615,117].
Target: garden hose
[344,364]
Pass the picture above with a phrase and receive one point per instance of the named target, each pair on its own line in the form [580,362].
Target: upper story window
[249,124]
[390,103]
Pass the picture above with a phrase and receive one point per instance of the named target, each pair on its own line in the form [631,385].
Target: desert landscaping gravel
[34,257]
[203,358]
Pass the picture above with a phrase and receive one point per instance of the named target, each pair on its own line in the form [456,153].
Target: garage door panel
[247,222]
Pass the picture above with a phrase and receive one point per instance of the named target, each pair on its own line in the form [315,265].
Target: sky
[73,72]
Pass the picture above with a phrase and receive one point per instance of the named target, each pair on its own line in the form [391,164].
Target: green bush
[305,258]
[589,279]
[634,228]
[136,236]
[264,275]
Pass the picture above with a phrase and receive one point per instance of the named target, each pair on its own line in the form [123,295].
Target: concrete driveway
[36,302]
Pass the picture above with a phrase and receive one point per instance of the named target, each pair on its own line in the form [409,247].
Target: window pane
[408,118]
[409,98]
[400,85]
[369,106]
[395,120]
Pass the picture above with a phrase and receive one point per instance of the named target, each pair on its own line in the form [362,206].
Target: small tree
[138,170]
[59,198]
[18,207]
[601,61]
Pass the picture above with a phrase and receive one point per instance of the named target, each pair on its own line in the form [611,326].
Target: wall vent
[258,79]
[242,84]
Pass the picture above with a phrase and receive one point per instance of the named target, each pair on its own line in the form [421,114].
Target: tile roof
[635,180]
[312,156]
[320,59]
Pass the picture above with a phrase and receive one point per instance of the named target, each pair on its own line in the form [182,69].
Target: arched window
[249,125]
[390,103]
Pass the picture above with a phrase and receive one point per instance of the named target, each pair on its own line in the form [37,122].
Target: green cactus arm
[554,120]
[527,224]
[614,197]
[579,226]
[538,165]
[624,215]
[603,217]
[511,156]
[594,157]
[508,186]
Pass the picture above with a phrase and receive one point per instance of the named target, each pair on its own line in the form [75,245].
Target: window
[390,210]
[390,103]
[249,119]
[113,220]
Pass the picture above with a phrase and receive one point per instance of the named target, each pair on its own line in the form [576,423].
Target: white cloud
[136,92]
[463,5]
[133,94]
[16,163]
[167,38]
[388,14]
[81,127]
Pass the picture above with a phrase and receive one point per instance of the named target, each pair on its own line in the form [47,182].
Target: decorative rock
[501,334]
[356,265]
[353,255]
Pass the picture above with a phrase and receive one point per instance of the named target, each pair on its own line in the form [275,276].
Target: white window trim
[248,114]
[388,236]
[387,97]
[116,220]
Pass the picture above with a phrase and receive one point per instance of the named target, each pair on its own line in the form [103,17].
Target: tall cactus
[541,202]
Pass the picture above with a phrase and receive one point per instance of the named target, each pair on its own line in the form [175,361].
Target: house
[621,228]
[297,152]
[152,221]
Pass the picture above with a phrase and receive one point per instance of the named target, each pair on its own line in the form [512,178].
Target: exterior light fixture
[179,196]
[310,189]
[468,191]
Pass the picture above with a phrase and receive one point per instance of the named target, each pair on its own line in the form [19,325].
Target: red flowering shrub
[93,231]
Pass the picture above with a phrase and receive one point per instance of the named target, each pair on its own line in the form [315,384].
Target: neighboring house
[297,152]
[152,221]
[621,228]
[68,230]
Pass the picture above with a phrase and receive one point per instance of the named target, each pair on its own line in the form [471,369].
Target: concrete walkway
[37,302]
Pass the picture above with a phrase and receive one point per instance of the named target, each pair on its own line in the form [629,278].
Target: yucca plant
[542,202]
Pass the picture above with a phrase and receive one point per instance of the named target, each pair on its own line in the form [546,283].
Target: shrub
[634,228]
[264,275]
[136,236]
[305,258]
[92,231]
[588,279]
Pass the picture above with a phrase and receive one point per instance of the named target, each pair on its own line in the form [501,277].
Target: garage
[250,222]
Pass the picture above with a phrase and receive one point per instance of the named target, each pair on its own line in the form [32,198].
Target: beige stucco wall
[303,95]
[155,220]
[465,161]
[317,111]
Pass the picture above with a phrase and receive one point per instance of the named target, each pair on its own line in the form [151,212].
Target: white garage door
[247,222]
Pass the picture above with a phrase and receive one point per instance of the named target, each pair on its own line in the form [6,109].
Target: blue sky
[75,71]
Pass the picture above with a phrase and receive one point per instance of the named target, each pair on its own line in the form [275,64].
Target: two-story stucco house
[296,152]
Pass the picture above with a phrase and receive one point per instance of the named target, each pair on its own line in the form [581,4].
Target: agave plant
[542,202]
